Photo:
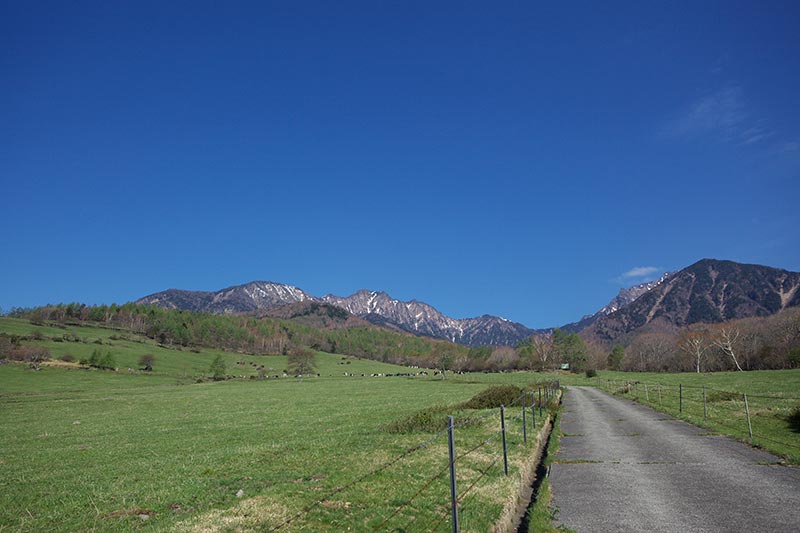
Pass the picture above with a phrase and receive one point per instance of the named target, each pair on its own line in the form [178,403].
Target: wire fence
[530,405]
[763,420]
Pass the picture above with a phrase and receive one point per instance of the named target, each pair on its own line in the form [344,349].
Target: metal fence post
[533,411]
[680,397]
[704,402]
[524,421]
[747,410]
[503,429]
[453,492]
[540,402]
[646,393]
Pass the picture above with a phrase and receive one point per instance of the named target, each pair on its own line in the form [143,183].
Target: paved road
[625,467]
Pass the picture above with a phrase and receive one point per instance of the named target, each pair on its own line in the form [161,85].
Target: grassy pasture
[127,348]
[108,451]
[94,450]
[83,449]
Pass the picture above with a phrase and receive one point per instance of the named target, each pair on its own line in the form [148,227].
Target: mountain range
[375,307]
[708,291]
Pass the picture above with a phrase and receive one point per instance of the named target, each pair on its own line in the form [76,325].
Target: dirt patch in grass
[260,513]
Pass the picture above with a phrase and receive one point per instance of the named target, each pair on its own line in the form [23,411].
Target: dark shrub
[723,396]
[431,420]
[146,362]
[494,397]
[794,358]
[794,420]
[591,373]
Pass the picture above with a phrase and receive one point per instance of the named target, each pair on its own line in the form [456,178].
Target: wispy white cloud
[722,116]
[722,113]
[638,275]
[754,135]
[641,272]
[789,147]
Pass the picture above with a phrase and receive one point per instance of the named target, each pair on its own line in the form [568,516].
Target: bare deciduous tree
[695,344]
[541,348]
[649,352]
[727,343]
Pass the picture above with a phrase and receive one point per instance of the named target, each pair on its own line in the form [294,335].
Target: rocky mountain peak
[708,291]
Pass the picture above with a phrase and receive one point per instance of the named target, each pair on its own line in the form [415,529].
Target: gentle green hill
[127,348]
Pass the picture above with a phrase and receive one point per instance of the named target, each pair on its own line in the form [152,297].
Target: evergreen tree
[107,362]
[217,369]
[615,357]
[94,359]
[569,348]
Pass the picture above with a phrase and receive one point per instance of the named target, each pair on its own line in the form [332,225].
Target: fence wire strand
[359,479]
[422,489]
[715,421]
[483,473]
[316,503]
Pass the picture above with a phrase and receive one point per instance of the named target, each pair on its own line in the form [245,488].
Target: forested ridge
[247,334]
[755,343]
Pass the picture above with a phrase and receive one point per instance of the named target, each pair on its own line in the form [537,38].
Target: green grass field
[85,449]
[94,450]
[127,348]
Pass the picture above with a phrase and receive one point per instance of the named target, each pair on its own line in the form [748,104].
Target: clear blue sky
[511,158]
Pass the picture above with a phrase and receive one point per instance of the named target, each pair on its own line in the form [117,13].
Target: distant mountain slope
[423,319]
[179,299]
[625,297]
[253,296]
[266,298]
[708,291]
[315,314]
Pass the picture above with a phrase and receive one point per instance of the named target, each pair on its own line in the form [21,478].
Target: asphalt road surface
[625,467]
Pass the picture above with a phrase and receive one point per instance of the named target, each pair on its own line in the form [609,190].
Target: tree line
[759,343]
[771,342]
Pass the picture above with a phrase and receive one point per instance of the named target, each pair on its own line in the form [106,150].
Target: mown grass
[105,451]
[84,449]
[772,396]
[108,451]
